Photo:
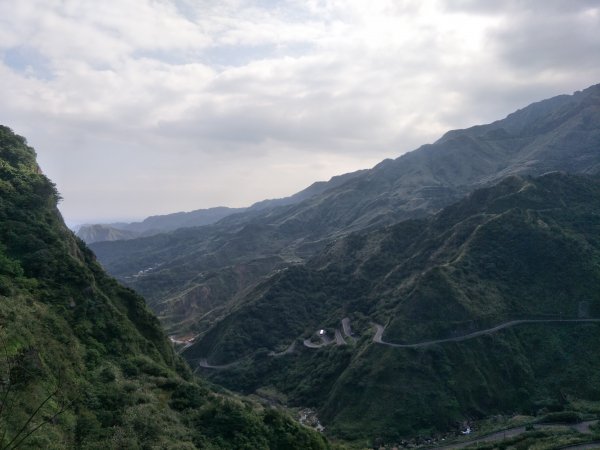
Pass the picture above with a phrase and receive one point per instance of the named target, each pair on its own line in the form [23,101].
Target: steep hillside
[83,363]
[520,259]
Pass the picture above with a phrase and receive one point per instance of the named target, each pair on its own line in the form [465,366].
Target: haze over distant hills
[152,225]
[159,224]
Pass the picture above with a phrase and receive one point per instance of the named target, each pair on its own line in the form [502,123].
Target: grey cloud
[533,36]
[561,42]
[542,7]
[271,94]
[331,125]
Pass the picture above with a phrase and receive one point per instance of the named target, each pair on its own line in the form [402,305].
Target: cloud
[144,106]
[562,42]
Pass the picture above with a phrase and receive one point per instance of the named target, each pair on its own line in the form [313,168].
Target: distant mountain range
[458,281]
[152,225]
[191,277]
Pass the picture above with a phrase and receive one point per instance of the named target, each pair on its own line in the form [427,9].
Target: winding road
[339,339]
[379,329]
[204,364]
[378,338]
[583,427]
[287,351]
[325,340]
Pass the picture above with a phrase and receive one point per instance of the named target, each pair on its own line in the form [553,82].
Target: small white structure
[322,332]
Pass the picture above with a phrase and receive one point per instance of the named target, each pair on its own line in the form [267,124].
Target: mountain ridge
[157,224]
[206,270]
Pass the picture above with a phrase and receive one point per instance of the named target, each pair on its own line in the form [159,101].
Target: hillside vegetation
[83,363]
[526,248]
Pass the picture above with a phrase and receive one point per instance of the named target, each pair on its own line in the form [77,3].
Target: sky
[143,107]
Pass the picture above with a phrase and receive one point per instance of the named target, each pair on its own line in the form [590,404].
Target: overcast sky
[141,107]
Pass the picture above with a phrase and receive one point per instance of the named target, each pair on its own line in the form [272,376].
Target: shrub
[562,417]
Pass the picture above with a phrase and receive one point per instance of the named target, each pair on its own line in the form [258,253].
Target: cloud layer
[140,107]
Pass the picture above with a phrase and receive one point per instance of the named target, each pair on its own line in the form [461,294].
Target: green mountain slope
[526,249]
[83,363]
[193,277]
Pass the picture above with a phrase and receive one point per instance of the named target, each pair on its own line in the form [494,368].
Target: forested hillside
[520,259]
[83,362]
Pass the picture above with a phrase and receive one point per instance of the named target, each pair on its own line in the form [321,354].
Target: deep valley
[457,282]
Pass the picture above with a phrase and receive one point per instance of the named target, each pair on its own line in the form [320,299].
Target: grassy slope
[74,341]
[526,248]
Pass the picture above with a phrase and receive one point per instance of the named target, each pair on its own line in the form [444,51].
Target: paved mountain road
[378,338]
[583,427]
[309,344]
[325,340]
[204,363]
[339,339]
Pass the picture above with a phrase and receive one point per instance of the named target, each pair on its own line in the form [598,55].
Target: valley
[402,300]
[299,225]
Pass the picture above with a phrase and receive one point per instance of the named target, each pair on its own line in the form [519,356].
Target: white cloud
[145,106]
